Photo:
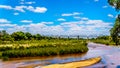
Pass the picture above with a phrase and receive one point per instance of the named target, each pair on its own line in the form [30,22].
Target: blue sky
[57,17]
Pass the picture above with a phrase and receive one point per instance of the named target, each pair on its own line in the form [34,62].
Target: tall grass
[102,41]
[47,51]
[44,48]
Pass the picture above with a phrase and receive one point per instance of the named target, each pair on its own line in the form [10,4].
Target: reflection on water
[55,59]
[95,50]
[36,61]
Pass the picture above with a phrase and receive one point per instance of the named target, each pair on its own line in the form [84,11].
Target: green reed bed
[43,48]
[53,48]
[38,43]
[48,51]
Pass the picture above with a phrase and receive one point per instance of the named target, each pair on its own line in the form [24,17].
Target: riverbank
[43,48]
[104,42]
[110,58]
[78,64]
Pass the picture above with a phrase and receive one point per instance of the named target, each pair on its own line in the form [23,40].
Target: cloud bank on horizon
[57,17]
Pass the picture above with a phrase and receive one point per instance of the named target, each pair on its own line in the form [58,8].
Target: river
[110,58]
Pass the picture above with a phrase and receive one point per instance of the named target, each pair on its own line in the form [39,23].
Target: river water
[95,50]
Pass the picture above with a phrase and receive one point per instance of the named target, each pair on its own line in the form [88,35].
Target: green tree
[103,37]
[28,35]
[115,3]
[4,36]
[19,36]
[115,31]
[37,36]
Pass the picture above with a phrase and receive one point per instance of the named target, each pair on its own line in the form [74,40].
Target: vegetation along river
[110,58]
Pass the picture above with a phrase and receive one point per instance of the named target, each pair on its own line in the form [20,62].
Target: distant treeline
[19,35]
[104,37]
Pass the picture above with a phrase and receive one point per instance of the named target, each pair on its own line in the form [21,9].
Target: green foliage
[102,41]
[103,37]
[37,36]
[0,55]
[47,51]
[28,35]
[115,32]
[45,48]
[21,44]
[4,36]
[115,3]
[18,35]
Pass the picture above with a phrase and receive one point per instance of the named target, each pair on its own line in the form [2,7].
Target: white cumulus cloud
[71,14]
[84,18]
[4,21]
[110,15]
[85,27]
[20,8]
[7,25]
[30,2]
[105,6]
[61,19]
[23,8]
[27,2]
[5,7]
[31,8]
[16,13]
[26,21]
[40,10]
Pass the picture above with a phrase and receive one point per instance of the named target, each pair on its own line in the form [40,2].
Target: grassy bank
[42,48]
[102,41]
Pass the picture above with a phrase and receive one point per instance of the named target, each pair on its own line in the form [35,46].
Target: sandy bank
[77,64]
